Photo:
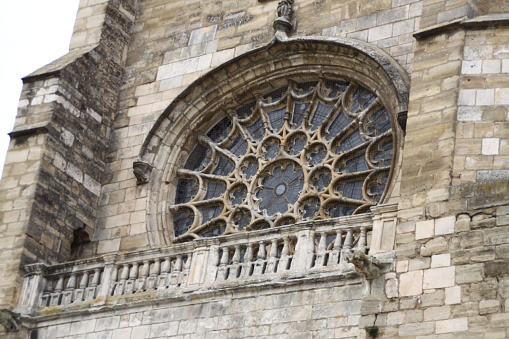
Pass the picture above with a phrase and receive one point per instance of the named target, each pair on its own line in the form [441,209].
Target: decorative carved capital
[10,320]
[142,172]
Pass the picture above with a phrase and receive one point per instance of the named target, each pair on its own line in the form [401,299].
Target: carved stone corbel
[142,172]
[10,320]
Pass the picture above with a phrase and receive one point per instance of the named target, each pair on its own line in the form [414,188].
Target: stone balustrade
[289,252]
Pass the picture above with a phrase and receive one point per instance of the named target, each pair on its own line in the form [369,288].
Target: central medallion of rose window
[280,188]
[309,150]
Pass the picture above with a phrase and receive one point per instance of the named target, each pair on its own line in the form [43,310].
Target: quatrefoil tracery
[310,150]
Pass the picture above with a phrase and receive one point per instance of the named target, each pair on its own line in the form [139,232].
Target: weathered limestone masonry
[86,242]
[452,221]
[55,166]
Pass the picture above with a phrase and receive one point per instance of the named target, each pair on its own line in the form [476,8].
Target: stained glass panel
[277,118]
[321,113]
[339,123]
[299,111]
[214,190]
[186,190]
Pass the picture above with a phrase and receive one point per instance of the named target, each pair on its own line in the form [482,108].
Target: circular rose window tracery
[308,150]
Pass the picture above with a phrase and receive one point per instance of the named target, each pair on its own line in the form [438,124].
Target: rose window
[309,150]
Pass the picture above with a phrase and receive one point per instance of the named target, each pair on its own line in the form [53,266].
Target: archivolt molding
[207,101]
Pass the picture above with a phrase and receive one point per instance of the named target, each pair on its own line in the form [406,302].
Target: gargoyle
[10,320]
[367,265]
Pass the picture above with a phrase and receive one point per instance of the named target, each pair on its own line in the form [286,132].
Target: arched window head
[313,148]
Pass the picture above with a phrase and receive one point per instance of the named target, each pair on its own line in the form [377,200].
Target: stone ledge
[438,29]
[484,21]
[497,19]
[32,129]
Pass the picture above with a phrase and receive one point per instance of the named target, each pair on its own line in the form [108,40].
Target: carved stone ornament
[366,265]
[283,23]
[10,320]
[142,172]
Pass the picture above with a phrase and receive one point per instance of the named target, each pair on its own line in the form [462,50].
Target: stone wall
[323,310]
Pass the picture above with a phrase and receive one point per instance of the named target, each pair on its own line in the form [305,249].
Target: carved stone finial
[283,24]
[10,320]
[142,172]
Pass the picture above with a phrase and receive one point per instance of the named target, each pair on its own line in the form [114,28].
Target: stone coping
[498,19]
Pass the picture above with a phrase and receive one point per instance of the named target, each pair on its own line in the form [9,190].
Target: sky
[33,33]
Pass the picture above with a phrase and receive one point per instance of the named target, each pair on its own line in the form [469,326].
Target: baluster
[71,284]
[154,273]
[186,265]
[334,255]
[48,288]
[145,269]
[260,260]
[95,279]
[156,270]
[57,294]
[79,293]
[60,284]
[321,251]
[348,240]
[46,294]
[234,269]
[347,246]
[178,263]
[222,272]
[84,280]
[133,275]
[67,296]
[284,262]
[272,262]
[248,261]
[113,280]
[177,269]
[362,244]
[119,288]
[90,292]
[163,279]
